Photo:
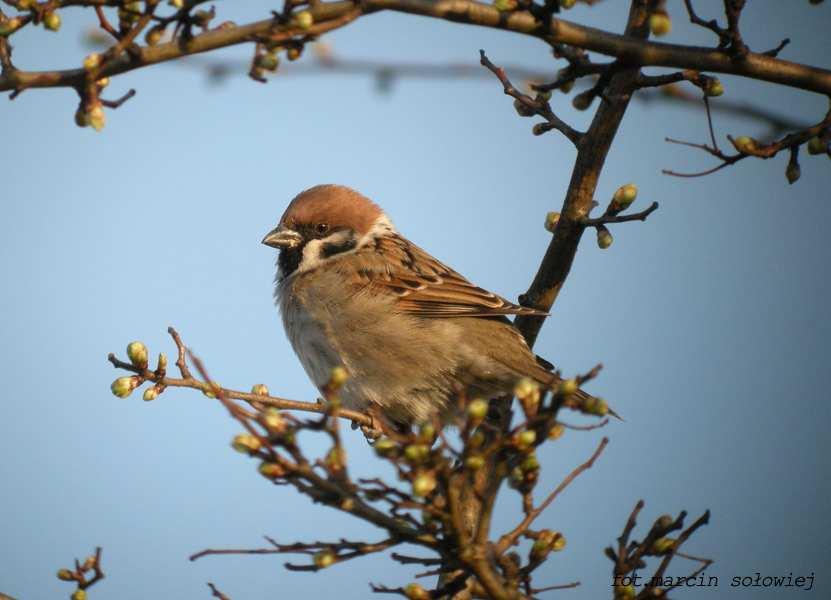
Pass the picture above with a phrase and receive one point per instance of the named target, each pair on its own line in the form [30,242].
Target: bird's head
[321,223]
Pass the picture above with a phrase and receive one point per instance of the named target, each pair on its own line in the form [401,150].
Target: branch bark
[630,50]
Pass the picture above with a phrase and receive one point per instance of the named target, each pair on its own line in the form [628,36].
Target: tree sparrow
[409,330]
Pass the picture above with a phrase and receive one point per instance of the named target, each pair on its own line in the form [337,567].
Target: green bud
[385,447]
[271,470]
[744,144]
[530,464]
[150,394]
[559,543]
[304,19]
[66,575]
[625,592]
[325,559]
[475,462]
[525,439]
[269,62]
[663,545]
[567,387]
[124,386]
[52,21]
[259,389]
[414,591]
[417,453]
[551,220]
[664,522]
[556,432]
[9,26]
[505,5]
[246,443]
[713,88]
[566,4]
[162,363]
[92,61]
[97,118]
[604,238]
[526,388]
[137,353]
[424,484]
[477,409]
[78,595]
[273,420]
[153,36]
[659,23]
[624,196]
[338,377]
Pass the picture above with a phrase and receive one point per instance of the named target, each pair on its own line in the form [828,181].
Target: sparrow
[410,331]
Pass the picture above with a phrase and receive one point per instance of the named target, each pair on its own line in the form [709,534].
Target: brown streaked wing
[428,288]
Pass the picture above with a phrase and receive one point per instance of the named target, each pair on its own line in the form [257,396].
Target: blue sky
[710,318]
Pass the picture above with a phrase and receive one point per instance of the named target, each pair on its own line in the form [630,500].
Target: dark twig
[538,105]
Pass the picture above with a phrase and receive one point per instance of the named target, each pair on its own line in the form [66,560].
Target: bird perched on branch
[409,330]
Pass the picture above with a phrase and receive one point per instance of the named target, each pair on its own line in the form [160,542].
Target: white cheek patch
[381,226]
[314,253]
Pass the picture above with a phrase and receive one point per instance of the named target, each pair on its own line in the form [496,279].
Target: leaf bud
[271,470]
[505,5]
[477,409]
[567,4]
[153,36]
[325,559]
[161,365]
[52,21]
[604,238]
[744,144]
[338,377]
[246,443]
[522,109]
[556,432]
[137,353]
[567,387]
[417,453]
[273,420]
[124,386]
[385,447]
[97,118]
[475,462]
[78,595]
[551,220]
[713,87]
[92,61]
[66,575]
[662,545]
[530,464]
[624,197]
[424,484]
[525,439]
[150,394]
[659,23]
[304,19]
[259,389]
[414,591]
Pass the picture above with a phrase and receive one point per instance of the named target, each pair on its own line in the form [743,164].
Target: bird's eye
[321,228]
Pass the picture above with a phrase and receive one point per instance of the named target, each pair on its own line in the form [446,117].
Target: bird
[409,330]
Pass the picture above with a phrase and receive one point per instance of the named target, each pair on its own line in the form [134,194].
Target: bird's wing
[425,287]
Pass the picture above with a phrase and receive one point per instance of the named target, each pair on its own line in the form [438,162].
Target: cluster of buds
[545,542]
[139,358]
[85,575]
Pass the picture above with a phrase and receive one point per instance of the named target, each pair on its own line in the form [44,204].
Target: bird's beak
[282,238]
